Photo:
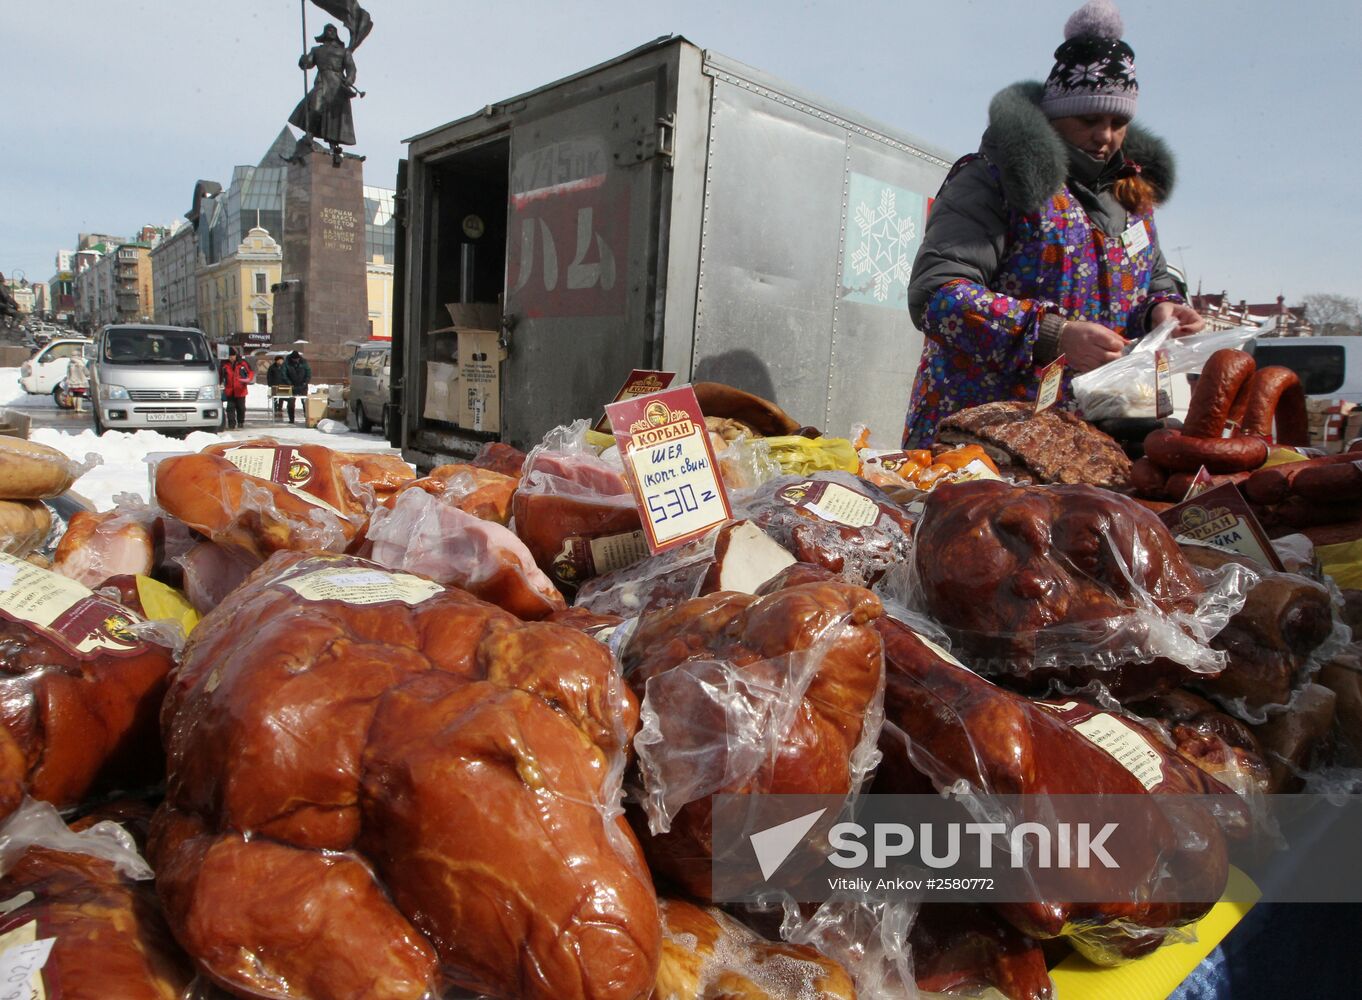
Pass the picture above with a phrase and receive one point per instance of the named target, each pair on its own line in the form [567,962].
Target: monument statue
[325,112]
[356,18]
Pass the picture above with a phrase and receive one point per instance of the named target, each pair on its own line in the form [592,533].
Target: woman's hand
[1086,346]
[1189,320]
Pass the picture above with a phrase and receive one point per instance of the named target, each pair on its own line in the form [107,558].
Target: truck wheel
[362,421]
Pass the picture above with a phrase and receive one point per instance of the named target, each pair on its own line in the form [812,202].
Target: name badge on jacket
[1136,238]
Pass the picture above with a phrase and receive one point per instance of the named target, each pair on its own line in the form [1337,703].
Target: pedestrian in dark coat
[297,373]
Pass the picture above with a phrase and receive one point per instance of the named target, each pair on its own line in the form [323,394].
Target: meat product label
[582,558]
[282,465]
[360,586]
[833,503]
[1108,733]
[65,612]
[22,955]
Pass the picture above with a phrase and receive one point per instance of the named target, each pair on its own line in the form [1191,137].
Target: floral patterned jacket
[1013,235]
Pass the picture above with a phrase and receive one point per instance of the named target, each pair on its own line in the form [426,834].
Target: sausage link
[1276,392]
[1335,482]
[1269,486]
[1147,479]
[1180,482]
[1180,452]
[1300,512]
[1224,378]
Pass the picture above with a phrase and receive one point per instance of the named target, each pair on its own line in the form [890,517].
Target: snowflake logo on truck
[880,263]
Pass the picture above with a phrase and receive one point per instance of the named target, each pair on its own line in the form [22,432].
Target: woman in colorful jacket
[1043,244]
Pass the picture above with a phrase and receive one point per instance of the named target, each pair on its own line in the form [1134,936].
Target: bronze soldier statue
[325,112]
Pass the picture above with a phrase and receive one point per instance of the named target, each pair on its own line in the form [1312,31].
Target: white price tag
[19,966]
[1136,239]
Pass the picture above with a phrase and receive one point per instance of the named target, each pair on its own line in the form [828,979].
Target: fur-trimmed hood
[1034,160]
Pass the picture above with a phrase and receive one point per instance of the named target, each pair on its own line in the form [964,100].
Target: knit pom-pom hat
[1094,69]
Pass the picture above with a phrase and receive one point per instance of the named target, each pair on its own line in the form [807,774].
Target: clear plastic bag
[33,471]
[832,519]
[1125,387]
[867,935]
[397,753]
[117,542]
[38,824]
[1065,585]
[575,512]
[736,556]
[432,537]
[741,694]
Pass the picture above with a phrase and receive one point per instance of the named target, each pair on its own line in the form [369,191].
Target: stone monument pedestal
[323,297]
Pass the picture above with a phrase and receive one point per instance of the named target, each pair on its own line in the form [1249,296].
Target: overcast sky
[114,108]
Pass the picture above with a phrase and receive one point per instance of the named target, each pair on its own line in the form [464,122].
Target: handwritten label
[675,476]
[360,586]
[1051,384]
[1222,518]
[1163,385]
[22,956]
[640,382]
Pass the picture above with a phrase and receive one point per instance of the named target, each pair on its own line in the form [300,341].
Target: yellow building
[234,294]
[380,277]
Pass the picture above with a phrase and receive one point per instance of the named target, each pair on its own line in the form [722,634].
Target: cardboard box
[315,408]
[480,381]
[442,392]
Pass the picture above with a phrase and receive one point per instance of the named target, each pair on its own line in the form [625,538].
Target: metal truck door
[587,180]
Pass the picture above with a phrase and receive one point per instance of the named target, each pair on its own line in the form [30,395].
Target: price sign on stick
[1163,386]
[640,382]
[672,468]
[1051,382]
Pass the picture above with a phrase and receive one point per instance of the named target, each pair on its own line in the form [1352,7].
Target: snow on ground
[120,460]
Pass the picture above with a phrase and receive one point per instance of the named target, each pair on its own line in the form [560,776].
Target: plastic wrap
[210,572]
[498,457]
[111,543]
[745,462]
[439,778]
[430,536]
[575,512]
[778,694]
[868,935]
[1125,387]
[920,471]
[801,456]
[949,730]
[480,492]
[736,556]
[214,497]
[1066,585]
[25,526]
[81,679]
[706,953]
[967,951]
[33,471]
[833,519]
[80,910]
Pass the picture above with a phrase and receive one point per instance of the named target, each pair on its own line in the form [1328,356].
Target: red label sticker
[1051,384]
[672,468]
[641,382]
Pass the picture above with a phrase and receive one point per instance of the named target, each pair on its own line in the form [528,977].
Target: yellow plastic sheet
[800,456]
[161,603]
[1155,976]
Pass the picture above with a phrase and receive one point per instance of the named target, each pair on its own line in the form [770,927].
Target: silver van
[1329,367]
[157,377]
[369,370]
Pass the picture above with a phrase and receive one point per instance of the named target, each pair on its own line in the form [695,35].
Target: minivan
[369,370]
[157,377]
[1329,367]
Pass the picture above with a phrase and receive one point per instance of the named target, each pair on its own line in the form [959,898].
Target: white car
[40,374]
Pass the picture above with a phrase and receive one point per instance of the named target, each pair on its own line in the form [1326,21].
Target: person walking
[236,376]
[1042,244]
[297,373]
[274,378]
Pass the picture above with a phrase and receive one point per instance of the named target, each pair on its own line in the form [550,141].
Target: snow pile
[12,393]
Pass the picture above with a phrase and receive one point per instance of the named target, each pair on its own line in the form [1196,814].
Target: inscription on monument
[339,227]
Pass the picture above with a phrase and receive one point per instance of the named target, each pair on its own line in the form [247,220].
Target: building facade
[174,278]
[235,304]
[61,287]
[1276,319]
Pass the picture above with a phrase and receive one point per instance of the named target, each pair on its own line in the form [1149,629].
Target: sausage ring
[1224,381]
[1276,392]
[1180,452]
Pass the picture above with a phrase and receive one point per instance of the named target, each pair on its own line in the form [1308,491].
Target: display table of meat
[383,787]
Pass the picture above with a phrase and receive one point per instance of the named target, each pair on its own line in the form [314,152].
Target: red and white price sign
[1051,383]
[672,467]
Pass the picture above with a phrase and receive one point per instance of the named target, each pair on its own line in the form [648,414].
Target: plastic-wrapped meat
[737,556]
[98,546]
[1285,618]
[778,694]
[259,516]
[390,788]
[1068,584]
[945,724]
[707,955]
[575,513]
[964,950]
[480,492]
[501,458]
[210,572]
[107,935]
[1219,744]
[425,534]
[1295,740]
[80,686]
[833,519]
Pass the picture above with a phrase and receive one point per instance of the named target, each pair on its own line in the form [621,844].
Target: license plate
[168,416]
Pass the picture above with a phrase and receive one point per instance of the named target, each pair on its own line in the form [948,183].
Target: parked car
[369,371]
[40,374]
[159,377]
[1329,367]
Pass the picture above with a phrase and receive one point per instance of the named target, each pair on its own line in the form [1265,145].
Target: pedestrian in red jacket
[236,376]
